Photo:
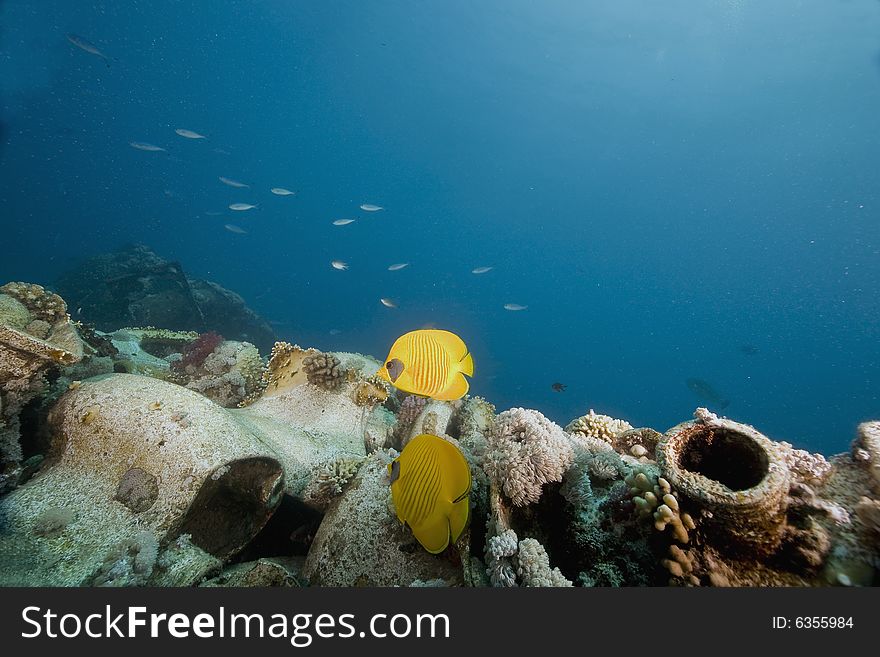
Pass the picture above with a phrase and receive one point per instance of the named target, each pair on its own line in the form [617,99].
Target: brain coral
[526,451]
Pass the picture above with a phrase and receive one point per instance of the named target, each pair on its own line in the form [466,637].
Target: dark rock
[135,287]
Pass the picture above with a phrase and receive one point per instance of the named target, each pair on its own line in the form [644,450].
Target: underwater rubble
[148,456]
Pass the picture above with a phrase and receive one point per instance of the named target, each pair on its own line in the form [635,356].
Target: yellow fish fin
[467,364]
[455,390]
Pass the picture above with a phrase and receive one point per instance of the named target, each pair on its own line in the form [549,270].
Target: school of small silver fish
[239,207]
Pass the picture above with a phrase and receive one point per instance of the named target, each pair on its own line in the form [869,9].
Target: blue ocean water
[660,184]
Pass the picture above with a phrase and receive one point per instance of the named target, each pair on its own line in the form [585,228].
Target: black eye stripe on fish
[395,369]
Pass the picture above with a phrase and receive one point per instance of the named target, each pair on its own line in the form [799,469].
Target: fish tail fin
[467,364]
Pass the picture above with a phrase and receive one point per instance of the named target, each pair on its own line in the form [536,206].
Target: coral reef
[166,458]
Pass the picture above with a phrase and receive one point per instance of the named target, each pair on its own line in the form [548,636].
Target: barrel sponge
[735,474]
[526,451]
[595,425]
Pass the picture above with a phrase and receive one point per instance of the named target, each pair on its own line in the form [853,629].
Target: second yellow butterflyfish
[429,362]
[430,484]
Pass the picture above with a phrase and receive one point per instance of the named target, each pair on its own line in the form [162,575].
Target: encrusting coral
[526,451]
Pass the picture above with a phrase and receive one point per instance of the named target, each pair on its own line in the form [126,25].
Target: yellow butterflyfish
[430,483]
[430,363]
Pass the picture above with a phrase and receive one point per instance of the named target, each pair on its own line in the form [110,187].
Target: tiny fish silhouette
[232,183]
[144,146]
[704,390]
[87,46]
[189,134]
[559,387]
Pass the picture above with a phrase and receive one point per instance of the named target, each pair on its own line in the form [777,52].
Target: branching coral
[594,425]
[654,497]
[330,481]
[526,451]
[324,370]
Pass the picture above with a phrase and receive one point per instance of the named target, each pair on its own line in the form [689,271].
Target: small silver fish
[232,228]
[343,222]
[514,306]
[338,264]
[232,183]
[241,207]
[369,207]
[481,270]
[388,303]
[399,265]
[87,46]
[335,331]
[144,146]
[189,134]
[212,213]
[280,191]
